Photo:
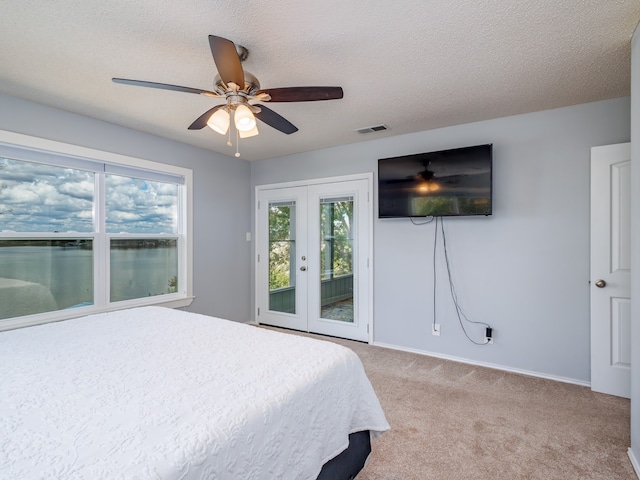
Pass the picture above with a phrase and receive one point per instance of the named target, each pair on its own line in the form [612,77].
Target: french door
[313,256]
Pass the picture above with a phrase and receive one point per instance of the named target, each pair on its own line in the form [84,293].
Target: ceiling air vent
[377,128]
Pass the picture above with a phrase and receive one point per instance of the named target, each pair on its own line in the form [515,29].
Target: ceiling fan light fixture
[428,186]
[250,133]
[219,121]
[244,119]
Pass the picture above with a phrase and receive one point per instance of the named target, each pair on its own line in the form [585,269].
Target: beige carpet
[455,421]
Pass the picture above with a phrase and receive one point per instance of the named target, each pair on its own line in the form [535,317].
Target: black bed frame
[347,464]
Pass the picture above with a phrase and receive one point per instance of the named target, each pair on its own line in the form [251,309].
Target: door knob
[303,268]
[600,283]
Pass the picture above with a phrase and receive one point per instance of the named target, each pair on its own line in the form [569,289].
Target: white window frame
[182,298]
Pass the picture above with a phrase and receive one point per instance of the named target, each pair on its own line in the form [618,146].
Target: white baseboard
[530,373]
[634,462]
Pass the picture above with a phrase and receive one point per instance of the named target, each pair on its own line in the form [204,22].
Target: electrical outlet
[435,329]
[488,335]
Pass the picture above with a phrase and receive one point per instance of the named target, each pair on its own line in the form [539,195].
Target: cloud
[140,206]
[45,198]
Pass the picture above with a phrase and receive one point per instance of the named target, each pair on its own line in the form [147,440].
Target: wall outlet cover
[435,329]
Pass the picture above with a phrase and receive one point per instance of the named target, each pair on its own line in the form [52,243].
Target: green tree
[173,284]
[336,250]
[280,245]
[336,247]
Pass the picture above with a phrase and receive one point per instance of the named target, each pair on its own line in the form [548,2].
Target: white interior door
[313,257]
[611,269]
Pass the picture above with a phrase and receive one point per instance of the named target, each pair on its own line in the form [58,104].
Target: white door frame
[369,254]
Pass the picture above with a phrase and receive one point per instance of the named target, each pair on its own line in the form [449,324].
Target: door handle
[303,268]
[600,283]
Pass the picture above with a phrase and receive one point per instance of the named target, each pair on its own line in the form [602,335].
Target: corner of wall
[634,451]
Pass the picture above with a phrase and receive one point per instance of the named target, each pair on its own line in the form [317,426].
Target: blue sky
[43,198]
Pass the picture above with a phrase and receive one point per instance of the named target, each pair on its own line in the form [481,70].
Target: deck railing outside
[332,290]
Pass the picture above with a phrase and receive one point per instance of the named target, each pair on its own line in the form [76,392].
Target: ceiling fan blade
[276,120]
[164,86]
[201,121]
[303,94]
[227,61]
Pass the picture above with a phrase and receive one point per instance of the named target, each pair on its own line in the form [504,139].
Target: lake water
[63,277]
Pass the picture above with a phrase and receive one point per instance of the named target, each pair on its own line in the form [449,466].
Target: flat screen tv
[454,182]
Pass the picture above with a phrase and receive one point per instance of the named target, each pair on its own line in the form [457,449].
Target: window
[89,232]
[282,252]
[282,244]
[336,247]
[142,226]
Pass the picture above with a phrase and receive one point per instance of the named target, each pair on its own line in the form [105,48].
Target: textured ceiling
[409,64]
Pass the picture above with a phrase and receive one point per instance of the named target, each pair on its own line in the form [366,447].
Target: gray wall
[221,196]
[635,240]
[525,270]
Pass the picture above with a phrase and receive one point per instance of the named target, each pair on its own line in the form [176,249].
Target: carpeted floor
[455,421]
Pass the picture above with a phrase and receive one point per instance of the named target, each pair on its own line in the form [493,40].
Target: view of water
[62,277]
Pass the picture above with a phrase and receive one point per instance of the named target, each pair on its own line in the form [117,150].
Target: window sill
[170,301]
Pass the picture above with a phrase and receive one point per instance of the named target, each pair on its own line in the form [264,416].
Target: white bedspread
[158,393]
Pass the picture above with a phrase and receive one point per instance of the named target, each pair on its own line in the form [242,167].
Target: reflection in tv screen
[456,182]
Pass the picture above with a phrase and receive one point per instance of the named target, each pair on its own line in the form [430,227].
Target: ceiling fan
[238,87]
[424,181]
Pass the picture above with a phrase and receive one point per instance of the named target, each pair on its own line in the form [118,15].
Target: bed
[157,393]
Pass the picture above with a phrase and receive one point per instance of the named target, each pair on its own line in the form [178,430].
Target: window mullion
[183,251]
[101,251]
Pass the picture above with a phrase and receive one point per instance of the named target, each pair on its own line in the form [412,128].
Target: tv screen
[454,182]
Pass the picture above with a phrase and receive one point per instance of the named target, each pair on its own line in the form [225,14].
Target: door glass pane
[282,257]
[336,259]
[45,275]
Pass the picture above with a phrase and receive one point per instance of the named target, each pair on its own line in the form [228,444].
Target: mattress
[153,392]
